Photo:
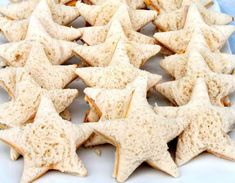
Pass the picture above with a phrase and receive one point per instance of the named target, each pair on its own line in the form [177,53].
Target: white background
[205,168]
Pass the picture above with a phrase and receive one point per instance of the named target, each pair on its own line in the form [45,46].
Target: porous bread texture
[177,41]
[48,76]
[179,91]
[217,62]
[26,97]
[207,129]
[48,143]
[109,104]
[211,138]
[140,136]
[13,30]
[8,81]
[117,75]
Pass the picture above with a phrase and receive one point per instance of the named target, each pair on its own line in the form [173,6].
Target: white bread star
[21,108]
[16,53]
[176,65]
[98,34]
[26,95]
[49,143]
[16,30]
[208,126]
[177,41]
[141,136]
[61,14]
[48,76]
[175,20]
[137,52]
[179,91]
[102,14]
[117,74]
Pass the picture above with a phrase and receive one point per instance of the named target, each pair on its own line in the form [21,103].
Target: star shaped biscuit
[176,65]
[22,10]
[179,91]
[177,41]
[98,34]
[49,143]
[16,53]
[138,53]
[102,14]
[141,136]
[48,76]
[117,74]
[175,20]
[208,126]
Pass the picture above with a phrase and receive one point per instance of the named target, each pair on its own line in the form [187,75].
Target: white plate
[205,168]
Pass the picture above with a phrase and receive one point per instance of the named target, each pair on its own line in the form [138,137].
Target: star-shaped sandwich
[98,34]
[48,76]
[164,6]
[101,54]
[208,126]
[117,74]
[177,41]
[176,65]
[16,53]
[22,10]
[102,14]
[108,104]
[16,30]
[175,20]
[135,4]
[49,143]
[179,91]
[141,136]
[26,94]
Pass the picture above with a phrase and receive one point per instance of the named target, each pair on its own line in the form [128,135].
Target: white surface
[205,168]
